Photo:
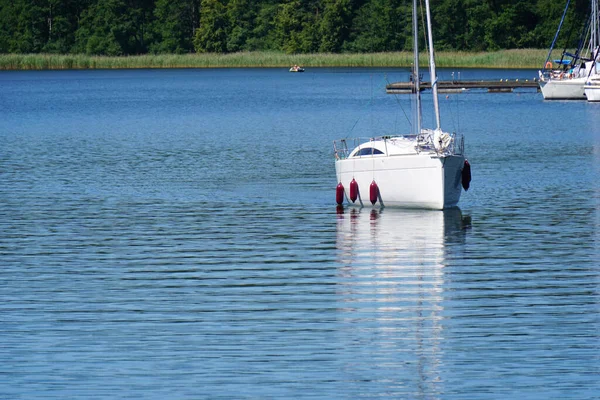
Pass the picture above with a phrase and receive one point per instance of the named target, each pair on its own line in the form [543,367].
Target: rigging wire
[370,104]
[400,104]
[456,102]
[424,28]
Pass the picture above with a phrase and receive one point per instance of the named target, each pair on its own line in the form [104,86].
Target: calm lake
[173,234]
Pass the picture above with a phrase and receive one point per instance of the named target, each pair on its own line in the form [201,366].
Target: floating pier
[500,86]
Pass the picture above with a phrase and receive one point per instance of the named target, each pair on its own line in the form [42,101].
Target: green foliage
[100,30]
[241,15]
[289,26]
[377,27]
[262,36]
[8,23]
[211,36]
[335,25]
[453,25]
[27,28]
[478,16]
[521,20]
[115,27]
[174,25]
[62,22]
[130,27]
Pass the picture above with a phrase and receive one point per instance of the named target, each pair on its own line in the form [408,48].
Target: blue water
[174,234]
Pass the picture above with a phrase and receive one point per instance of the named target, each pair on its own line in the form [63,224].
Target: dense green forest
[133,27]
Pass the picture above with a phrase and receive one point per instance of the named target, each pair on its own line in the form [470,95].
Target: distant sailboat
[426,169]
[592,85]
[566,81]
[592,90]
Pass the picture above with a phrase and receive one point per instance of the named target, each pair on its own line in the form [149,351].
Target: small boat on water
[296,68]
[425,169]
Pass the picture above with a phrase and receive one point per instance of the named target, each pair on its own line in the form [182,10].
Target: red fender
[339,193]
[353,190]
[373,192]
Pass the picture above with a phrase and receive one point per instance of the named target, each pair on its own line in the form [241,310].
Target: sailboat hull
[592,92]
[563,89]
[407,181]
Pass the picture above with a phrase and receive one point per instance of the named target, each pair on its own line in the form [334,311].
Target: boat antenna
[416,83]
[432,73]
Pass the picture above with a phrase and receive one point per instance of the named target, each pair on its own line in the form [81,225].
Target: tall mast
[594,16]
[595,32]
[432,73]
[556,34]
[416,83]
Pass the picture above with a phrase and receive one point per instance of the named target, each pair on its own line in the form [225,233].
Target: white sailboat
[592,89]
[426,169]
[592,85]
[564,87]
[566,81]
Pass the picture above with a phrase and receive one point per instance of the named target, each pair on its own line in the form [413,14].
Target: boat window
[367,151]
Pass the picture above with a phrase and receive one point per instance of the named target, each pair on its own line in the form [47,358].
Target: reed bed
[522,58]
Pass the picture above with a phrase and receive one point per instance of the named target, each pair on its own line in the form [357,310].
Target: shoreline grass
[507,59]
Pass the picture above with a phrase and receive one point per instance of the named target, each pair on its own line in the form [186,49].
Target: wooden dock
[499,86]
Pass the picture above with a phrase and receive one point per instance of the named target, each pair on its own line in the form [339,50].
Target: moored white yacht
[592,85]
[557,88]
[426,169]
[592,89]
[567,79]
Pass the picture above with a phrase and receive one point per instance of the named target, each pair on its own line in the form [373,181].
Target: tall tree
[240,15]
[175,24]
[121,27]
[8,27]
[262,35]
[211,36]
[62,17]
[297,26]
[451,24]
[511,26]
[29,28]
[310,35]
[288,25]
[335,25]
[115,27]
[376,27]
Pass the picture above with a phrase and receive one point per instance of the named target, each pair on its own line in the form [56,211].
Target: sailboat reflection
[399,237]
[391,289]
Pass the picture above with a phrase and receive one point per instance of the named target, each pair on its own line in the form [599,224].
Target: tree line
[132,27]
